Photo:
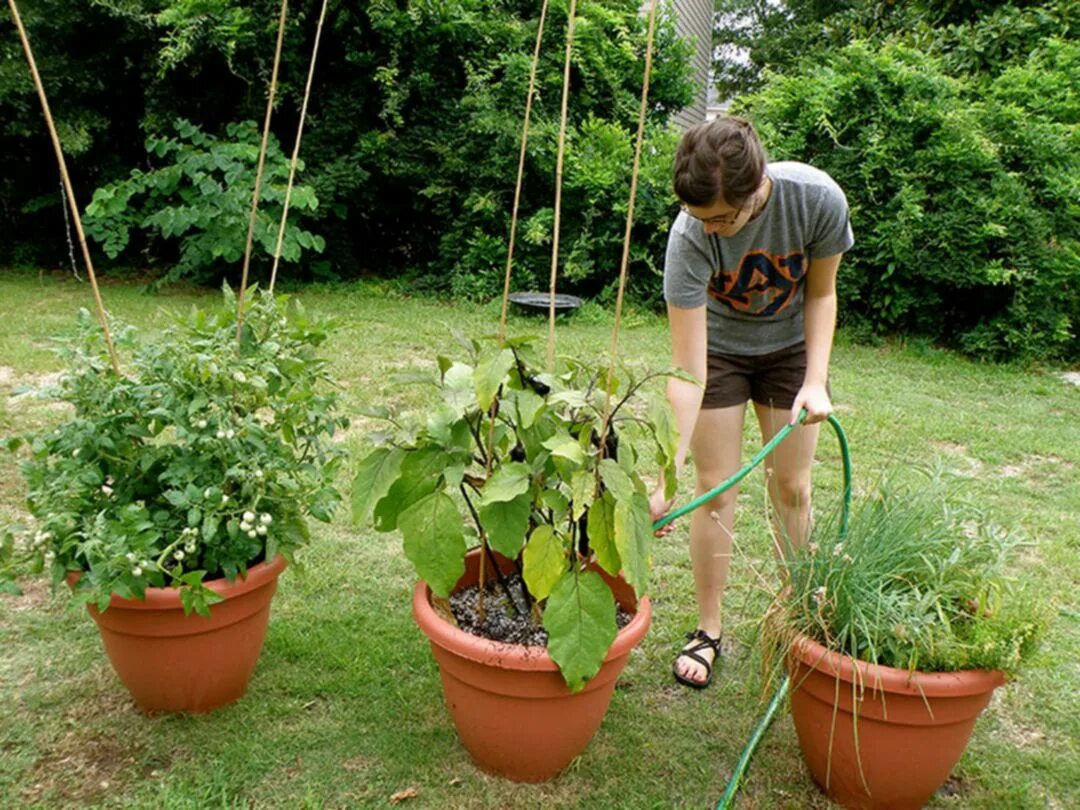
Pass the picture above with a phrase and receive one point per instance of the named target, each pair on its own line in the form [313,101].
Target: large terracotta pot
[511,707]
[176,663]
[911,728]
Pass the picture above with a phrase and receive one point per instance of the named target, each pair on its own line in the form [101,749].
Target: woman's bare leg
[788,469]
[716,448]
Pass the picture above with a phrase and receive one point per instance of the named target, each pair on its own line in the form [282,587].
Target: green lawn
[345,708]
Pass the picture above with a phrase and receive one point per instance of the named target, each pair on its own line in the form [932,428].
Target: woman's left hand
[815,398]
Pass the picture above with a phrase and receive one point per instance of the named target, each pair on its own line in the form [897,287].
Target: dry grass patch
[83,764]
[1030,464]
[81,768]
[959,456]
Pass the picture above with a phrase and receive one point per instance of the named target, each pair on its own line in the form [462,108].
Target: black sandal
[705,642]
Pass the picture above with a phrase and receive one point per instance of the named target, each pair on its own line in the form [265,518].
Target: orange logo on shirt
[762,284]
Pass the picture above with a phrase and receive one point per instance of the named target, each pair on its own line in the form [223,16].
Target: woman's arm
[688,353]
[819,325]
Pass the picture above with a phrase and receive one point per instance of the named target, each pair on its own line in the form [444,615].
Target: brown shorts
[772,379]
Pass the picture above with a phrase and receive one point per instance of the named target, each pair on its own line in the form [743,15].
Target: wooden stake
[558,186]
[605,424]
[296,146]
[67,186]
[259,171]
[521,173]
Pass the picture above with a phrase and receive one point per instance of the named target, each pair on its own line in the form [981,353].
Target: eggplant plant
[524,462]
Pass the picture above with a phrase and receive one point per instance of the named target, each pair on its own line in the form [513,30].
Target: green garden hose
[757,459]
[763,724]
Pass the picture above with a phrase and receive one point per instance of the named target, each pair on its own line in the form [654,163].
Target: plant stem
[483,570]
[498,571]
[475,431]
[489,456]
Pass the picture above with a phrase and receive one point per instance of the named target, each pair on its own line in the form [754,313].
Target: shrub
[414,131]
[202,196]
[963,196]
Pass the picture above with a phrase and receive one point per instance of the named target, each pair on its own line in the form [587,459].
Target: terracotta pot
[911,728]
[511,707]
[176,663]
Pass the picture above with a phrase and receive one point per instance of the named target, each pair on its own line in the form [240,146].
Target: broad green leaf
[665,429]
[585,438]
[434,541]
[421,474]
[580,620]
[528,404]
[506,523]
[489,375]
[376,474]
[544,561]
[557,502]
[575,399]
[444,363]
[616,480]
[507,483]
[443,424]
[601,528]
[667,440]
[628,460]
[454,475]
[564,445]
[458,387]
[671,480]
[633,535]
[582,489]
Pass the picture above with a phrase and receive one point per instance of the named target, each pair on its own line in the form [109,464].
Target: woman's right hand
[659,505]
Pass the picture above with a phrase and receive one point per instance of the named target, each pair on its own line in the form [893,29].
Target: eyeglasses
[729,219]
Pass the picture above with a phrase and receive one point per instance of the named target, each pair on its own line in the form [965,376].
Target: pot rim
[513,656]
[815,656]
[169,598]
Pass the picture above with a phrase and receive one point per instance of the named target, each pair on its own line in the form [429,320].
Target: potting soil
[510,622]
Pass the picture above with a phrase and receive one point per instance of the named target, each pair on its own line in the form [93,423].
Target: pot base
[894,736]
[176,663]
[509,703]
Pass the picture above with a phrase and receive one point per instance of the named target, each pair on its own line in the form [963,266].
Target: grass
[345,708]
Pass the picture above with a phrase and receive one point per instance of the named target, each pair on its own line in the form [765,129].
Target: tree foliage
[952,127]
[412,145]
[965,202]
[757,38]
[201,195]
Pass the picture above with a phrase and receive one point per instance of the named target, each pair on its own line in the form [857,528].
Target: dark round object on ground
[541,302]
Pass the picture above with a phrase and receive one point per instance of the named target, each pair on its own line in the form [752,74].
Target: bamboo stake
[259,170]
[70,192]
[605,425]
[506,289]
[296,146]
[521,172]
[558,186]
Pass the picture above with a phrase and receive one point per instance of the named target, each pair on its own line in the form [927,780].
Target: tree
[412,143]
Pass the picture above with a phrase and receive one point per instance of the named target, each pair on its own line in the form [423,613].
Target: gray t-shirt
[754,282]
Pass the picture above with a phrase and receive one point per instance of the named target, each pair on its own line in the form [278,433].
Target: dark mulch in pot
[510,623]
